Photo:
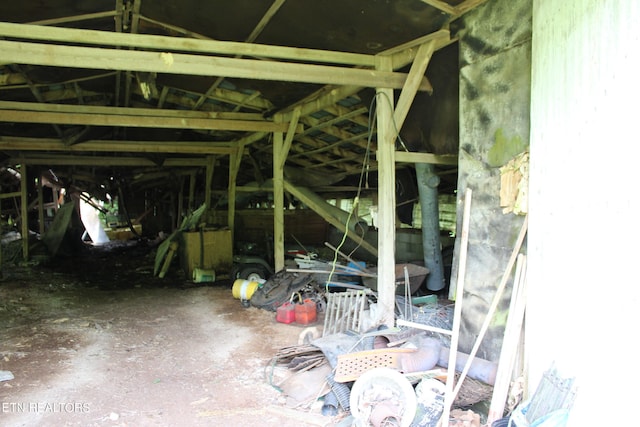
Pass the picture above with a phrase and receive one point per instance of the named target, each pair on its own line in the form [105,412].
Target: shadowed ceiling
[159,88]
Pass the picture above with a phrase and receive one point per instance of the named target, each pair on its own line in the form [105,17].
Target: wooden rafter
[105,161]
[192,45]
[454,11]
[133,117]
[273,9]
[175,63]
[17,116]
[48,144]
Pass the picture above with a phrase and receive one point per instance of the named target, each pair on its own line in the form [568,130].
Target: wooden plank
[182,147]
[77,18]
[270,13]
[10,195]
[510,342]
[158,121]
[434,159]
[442,6]
[173,247]
[494,304]
[410,88]
[70,160]
[286,146]
[129,111]
[457,315]
[404,54]
[199,65]
[182,44]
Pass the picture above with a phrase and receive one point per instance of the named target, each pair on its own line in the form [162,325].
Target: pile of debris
[376,376]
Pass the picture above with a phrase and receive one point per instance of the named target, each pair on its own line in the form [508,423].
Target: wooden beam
[182,44]
[320,210]
[289,137]
[103,161]
[434,159]
[273,9]
[12,79]
[410,88]
[170,147]
[404,54]
[275,6]
[235,160]
[199,65]
[468,5]
[157,121]
[442,6]
[76,18]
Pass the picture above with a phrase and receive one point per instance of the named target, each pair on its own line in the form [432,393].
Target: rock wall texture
[495,85]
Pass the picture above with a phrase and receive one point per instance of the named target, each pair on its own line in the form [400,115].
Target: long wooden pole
[510,342]
[494,305]
[457,313]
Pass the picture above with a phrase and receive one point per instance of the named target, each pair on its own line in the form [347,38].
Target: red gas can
[286,313]
[306,312]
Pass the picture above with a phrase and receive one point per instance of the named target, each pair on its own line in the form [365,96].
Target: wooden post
[386,198]
[180,203]
[455,330]
[24,221]
[192,191]
[235,159]
[278,199]
[211,160]
[40,207]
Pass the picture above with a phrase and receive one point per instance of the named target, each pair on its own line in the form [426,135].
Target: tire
[252,272]
[278,289]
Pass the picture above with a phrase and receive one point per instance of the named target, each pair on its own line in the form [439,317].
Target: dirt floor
[96,340]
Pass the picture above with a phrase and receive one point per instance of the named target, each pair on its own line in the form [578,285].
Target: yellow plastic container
[201,275]
[244,289]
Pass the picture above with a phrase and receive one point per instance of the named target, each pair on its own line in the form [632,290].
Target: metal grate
[345,310]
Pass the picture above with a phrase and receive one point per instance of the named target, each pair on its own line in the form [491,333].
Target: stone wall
[495,84]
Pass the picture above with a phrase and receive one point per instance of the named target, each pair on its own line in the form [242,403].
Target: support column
[386,199]
[24,221]
[428,183]
[40,207]
[278,200]
[192,191]
[235,158]
[211,160]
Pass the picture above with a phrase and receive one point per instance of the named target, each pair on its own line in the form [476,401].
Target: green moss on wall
[504,149]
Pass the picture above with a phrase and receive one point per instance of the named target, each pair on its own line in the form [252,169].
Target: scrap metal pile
[375,376]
